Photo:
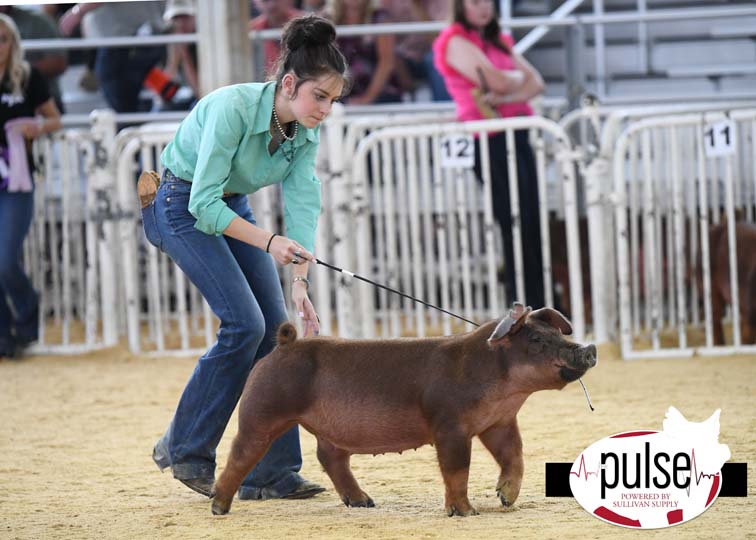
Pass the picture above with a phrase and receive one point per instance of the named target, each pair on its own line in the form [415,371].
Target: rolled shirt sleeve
[301,198]
[222,130]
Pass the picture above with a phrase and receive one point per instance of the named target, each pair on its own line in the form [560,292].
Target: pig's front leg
[453,449]
[505,444]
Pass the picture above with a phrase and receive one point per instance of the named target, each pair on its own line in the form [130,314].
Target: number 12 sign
[457,151]
[719,138]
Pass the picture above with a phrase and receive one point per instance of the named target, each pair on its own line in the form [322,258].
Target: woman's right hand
[285,251]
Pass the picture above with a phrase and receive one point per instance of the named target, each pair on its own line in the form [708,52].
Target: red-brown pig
[376,396]
[721,292]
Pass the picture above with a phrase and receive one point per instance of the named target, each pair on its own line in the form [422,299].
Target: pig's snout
[577,361]
[587,355]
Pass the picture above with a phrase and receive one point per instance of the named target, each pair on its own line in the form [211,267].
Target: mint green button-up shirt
[222,145]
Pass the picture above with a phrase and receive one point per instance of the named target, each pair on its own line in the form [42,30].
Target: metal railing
[370,171]
[594,130]
[71,246]
[434,27]
[598,19]
[668,193]
[402,190]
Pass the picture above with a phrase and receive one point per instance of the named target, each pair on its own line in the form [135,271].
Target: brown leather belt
[148,184]
[225,193]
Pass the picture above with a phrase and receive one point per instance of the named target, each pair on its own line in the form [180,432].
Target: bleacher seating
[686,57]
[704,58]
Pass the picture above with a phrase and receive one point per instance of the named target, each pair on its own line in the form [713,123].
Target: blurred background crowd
[385,68]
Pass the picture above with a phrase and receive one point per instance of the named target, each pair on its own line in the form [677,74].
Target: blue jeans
[527,178]
[19,303]
[435,80]
[241,284]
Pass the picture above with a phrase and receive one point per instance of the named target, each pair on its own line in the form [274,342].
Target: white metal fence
[594,130]
[336,242]
[156,292]
[70,246]
[393,213]
[427,227]
[675,177]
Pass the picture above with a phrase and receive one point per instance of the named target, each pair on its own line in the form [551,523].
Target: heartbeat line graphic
[695,474]
[583,470]
[694,471]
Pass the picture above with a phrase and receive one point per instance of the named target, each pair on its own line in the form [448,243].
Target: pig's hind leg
[335,461]
[505,445]
[249,447]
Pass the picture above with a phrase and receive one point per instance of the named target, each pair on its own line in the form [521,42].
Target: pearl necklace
[280,129]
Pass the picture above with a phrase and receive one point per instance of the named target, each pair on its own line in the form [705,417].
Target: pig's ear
[554,318]
[510,324]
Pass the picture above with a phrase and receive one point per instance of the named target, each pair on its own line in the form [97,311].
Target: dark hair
[491,32]
[309,51]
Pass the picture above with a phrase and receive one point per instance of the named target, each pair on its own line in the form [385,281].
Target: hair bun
[308,31]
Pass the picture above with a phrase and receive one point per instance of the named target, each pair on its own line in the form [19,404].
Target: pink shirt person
[459,87]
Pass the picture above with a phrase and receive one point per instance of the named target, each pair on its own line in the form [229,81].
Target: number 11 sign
[457,151]
[719,138]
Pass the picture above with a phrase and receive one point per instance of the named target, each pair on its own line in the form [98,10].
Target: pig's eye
[535,343]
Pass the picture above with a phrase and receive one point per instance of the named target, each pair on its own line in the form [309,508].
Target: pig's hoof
[219,508]
[364,502]
[506,496]
[455,511]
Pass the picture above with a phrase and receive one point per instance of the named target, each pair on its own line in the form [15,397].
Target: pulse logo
[651,479]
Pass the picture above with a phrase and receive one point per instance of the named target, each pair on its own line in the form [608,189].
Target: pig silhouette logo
[652,479]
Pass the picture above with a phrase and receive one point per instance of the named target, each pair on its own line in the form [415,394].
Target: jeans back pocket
[150,226]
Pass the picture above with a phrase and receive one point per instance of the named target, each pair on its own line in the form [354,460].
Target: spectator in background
[24,93]
[180,16]
[273,14]
[122,71]
[487,78]
[414,54]
[372,59]
[51,64]
[86,57]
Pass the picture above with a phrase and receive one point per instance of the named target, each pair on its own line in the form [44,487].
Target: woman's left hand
[32,130]
[305,309]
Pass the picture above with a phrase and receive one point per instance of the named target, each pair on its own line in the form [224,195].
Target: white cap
[174,8]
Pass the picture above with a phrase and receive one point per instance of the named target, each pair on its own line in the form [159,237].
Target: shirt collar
[265,111]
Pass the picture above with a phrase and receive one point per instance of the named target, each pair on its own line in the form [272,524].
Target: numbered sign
[719,138]
[457,151]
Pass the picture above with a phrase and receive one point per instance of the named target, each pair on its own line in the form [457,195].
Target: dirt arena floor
[76,435]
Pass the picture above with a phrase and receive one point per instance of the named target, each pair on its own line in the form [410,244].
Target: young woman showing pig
[237,140]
